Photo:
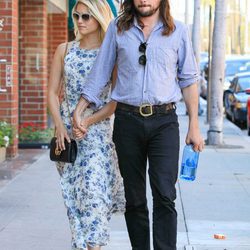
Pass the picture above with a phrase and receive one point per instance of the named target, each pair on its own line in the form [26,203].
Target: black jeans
[155,138]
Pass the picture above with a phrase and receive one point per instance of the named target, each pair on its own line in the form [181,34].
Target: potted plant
[6,138]
[31,136]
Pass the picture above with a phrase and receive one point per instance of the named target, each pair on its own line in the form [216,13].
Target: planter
[36,145]
[2,154]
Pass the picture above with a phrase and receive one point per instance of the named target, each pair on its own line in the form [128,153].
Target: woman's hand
[61,134]
[84,124]
[80,108]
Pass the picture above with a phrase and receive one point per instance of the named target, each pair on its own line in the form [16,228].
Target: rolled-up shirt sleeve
[187,72]
[102,69]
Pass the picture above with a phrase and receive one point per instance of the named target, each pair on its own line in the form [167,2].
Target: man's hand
[84,124]
[79,128]
[194,137]
[191,96]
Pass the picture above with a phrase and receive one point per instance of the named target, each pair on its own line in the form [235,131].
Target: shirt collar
[158,25]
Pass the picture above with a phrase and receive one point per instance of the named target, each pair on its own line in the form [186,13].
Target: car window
[243,84]
[247,66]
[238,88]
[233,68]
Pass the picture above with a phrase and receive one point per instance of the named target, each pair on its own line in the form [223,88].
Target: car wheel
[233,118]
[228,116]
[224,100]
[226,107]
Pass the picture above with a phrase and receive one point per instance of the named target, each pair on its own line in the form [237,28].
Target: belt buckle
[145,106]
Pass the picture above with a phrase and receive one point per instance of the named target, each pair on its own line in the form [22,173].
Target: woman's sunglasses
[83,16]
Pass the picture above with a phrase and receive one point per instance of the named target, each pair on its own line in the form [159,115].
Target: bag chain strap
[65,86]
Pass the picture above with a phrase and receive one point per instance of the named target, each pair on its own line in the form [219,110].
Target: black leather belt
[147,109]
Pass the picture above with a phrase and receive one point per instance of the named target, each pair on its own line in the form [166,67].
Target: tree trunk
[186,12]
[196,40]
[215,133]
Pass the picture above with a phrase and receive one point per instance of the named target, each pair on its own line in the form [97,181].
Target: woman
[92,188]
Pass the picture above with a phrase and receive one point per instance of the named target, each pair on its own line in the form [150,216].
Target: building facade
[30,31]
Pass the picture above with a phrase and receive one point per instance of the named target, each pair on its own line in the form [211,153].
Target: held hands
[79,126]
[81,131]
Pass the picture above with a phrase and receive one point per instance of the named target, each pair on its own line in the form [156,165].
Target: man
[155,62]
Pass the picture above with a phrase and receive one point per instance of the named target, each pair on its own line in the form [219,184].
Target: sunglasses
[84,16]
[143,58]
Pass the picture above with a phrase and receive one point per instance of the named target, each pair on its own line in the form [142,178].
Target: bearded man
[155,67]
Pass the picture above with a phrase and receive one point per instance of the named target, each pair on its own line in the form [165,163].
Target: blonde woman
[92,188]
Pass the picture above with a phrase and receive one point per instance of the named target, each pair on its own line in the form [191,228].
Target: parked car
[246,67]
[203,87]
[235,98]
[233,64]
[203,55]
[203,64]
[248,112]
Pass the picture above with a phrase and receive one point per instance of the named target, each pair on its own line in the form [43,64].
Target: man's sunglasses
[143,58]
[83,16]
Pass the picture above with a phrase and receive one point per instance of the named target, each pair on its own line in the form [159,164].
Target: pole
[186,12]
[209,64]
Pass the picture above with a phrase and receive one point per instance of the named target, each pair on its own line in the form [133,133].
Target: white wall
[178,10]
[61,4]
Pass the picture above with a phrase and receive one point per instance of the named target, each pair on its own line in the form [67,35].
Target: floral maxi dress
[92,188]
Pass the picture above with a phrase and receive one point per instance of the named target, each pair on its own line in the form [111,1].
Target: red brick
[3,5]
[9,51]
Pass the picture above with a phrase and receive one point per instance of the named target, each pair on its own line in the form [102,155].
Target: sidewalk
[33,217]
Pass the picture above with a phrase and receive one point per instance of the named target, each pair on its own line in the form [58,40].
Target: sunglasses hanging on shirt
[143,58]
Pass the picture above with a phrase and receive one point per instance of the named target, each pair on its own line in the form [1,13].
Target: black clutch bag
[68,155]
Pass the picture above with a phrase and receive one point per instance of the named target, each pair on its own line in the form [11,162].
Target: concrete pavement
[33,217]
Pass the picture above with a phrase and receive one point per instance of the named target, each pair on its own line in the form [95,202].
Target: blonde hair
[100,10]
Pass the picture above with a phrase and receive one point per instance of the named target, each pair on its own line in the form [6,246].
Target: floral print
[92,188]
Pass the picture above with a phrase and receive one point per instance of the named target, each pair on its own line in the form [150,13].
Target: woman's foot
[94,248]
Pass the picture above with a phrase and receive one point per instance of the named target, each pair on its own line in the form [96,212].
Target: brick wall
[28,53]
[33,62]
[9,51]
[57,33]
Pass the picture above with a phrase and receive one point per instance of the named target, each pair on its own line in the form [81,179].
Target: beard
[147,13]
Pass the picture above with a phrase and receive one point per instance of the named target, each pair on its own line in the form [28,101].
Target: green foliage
[29,133]
[6,134]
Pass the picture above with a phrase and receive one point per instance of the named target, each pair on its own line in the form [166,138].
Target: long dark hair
[128,13]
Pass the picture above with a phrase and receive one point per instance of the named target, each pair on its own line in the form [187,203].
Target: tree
[215,135]
[186,12]
[196,31]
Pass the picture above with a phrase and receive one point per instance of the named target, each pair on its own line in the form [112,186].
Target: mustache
[144,5]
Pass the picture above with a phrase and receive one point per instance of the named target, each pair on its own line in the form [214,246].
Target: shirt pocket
[165,57]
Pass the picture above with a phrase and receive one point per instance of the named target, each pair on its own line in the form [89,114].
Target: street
[53,53]
[32,214]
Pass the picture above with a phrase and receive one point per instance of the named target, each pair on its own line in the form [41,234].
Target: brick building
[30,30]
